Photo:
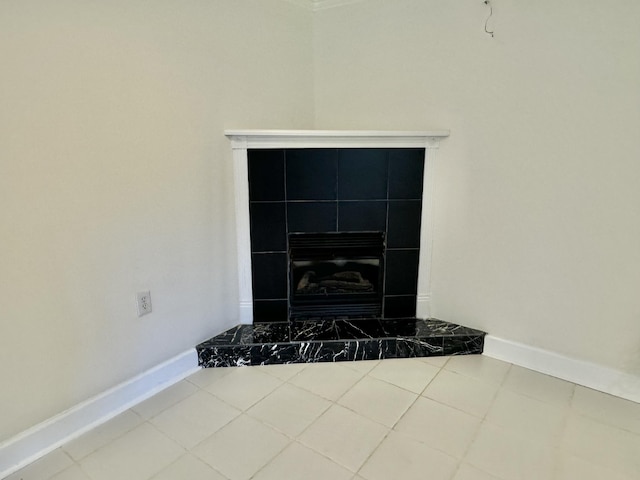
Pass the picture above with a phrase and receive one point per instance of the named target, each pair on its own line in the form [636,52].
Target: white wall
[537,228]
[115,177]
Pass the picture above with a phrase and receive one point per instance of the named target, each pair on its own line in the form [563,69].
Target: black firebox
[336,274]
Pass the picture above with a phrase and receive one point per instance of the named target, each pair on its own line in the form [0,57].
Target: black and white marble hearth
[312,341]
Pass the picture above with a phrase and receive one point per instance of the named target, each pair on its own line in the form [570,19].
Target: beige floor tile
[402,457]
[163,400]
[136,455]
[330,381]
[437,361]
[206,376]
[461,392]
[300,462]
[575,468]
[439,426]
[527,416]
[194,418]
[188,467]
[344,436]
[241,448]
[362,366]
[289,409]
[285,371]
[508,456]
[463,426]
[407,373]
[480,367]
[537,385]
[608,409]
[379,401]
[44,468]
[602,444]
[72,473]
[467,472]
[244,387]
[100,436]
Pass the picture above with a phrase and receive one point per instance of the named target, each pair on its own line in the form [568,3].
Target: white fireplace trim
[243,140]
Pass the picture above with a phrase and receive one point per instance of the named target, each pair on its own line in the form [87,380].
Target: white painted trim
[243,229]
[37,441]
[315,5]
[587,374]
[242,140]
[334,138]
[423,301]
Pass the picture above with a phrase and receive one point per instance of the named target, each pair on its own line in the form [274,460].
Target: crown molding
[316,5]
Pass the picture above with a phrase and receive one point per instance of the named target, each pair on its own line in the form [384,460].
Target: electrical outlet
[143,302]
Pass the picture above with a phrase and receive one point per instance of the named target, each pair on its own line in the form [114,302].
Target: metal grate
[348,248]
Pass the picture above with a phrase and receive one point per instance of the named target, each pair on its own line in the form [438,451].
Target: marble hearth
[311,202]
[315,341]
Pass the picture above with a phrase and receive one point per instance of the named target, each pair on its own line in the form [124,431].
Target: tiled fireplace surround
[334,190]
[328,181]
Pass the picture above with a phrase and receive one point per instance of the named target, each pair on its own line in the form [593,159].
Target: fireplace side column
[243,229]
[423,304]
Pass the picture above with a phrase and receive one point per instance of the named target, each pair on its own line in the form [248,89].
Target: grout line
[392,429]
[482,422]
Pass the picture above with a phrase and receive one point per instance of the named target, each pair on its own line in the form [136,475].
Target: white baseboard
[37,441]
[587,374]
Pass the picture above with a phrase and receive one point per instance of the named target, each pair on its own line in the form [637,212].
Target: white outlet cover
[143,303]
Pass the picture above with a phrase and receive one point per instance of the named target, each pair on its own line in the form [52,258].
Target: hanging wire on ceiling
[486,22]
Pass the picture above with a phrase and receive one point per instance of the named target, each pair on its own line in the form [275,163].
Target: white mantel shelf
[244,140]
[338,138]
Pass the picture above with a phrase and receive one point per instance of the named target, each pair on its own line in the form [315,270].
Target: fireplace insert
[336,274]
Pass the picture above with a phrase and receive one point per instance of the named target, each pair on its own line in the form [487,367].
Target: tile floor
[442,418]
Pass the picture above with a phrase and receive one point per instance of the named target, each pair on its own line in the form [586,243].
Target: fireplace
[336,275]
[292,184]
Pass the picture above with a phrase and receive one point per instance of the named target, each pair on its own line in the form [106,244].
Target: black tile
[406,172]
[400,326]
[400,307]
[269,276]
[403,227]
[360,328]
[415,348]
[463,345]
[401,272]
[336,341]
[275,354]
[362,174]
[270,332]
[266,175]
[311,216]
[311,174]
[270,311]
[362,216]
[313,330]
[224,356]
[268,227]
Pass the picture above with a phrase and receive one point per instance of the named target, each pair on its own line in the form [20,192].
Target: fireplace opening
[336,274]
